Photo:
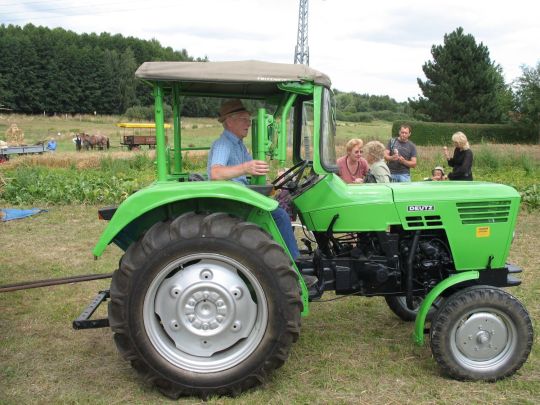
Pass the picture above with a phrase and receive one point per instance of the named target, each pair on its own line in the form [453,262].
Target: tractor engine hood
[451,191]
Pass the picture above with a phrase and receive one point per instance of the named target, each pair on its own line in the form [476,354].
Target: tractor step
[84,321]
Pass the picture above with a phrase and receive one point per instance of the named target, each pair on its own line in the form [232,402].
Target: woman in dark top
[462,160]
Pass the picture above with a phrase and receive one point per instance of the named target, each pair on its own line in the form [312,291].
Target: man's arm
[389,156]
[411,164]
[253,167]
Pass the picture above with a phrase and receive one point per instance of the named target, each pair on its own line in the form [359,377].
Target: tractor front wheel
[481,333]
[205,305]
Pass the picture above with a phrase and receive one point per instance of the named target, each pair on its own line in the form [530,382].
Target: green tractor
[207,299]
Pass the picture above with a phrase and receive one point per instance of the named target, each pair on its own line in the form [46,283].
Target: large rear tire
[205,305]
[481,333]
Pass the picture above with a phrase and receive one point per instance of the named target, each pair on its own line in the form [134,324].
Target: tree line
[45,70]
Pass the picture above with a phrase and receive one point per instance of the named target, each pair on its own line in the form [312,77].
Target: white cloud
[368,47]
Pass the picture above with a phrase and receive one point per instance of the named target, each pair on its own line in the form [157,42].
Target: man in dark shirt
[400,154]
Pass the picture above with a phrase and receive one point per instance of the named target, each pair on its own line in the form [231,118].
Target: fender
[168,194]
[432,295]
[174,200]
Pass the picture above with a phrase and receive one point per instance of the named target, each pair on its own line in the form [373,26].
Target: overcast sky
[375,47]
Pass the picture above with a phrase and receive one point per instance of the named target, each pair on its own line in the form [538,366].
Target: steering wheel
[290,180]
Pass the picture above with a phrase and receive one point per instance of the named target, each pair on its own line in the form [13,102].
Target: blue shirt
[228,150]
[51,145]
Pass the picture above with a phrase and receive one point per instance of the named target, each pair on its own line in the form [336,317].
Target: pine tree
[463,84]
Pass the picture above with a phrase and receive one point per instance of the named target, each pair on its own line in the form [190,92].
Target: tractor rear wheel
[481,333]
[205,305]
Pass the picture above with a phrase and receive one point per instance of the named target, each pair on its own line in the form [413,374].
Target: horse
[94,141]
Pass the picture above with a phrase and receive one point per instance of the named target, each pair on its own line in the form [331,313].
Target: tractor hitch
[84,321]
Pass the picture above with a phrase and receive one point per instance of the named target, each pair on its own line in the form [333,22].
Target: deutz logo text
[420,208]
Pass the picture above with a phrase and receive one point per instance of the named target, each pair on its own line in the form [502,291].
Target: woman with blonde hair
[378,170]
[353,167]
[462,160]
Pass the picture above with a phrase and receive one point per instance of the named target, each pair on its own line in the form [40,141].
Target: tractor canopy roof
[249,78]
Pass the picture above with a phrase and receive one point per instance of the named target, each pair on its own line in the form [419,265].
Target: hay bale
[14,135]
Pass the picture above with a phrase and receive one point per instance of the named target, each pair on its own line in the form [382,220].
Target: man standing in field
[400,154]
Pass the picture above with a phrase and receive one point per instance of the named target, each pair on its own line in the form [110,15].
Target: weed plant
[112,175]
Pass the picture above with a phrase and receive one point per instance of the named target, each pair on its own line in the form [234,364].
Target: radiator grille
[422,221]
[484,212]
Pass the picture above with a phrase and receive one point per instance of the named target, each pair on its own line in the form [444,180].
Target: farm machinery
[142,134]
[8,151]
[15,145]
[207,299]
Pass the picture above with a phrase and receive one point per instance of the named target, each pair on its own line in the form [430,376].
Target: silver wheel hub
[482,337]
[205,308]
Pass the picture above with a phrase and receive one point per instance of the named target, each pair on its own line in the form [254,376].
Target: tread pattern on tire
[189,226]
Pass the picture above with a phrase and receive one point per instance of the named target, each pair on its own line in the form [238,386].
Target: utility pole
[301,56]
[301,51]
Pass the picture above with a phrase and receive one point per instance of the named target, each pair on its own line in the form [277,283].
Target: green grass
[350,351]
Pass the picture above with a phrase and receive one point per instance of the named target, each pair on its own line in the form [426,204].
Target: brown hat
[230,107]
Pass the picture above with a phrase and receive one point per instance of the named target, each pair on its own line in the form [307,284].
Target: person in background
[229,159]
[353,167]
[378,170]
[78,142]
[51,145]
[462,160]
[437,174]
[400,154]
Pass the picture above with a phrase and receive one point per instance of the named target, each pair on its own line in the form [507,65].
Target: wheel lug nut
[175,325]
[236,326]
[176,291]
[237,292]
[206,274]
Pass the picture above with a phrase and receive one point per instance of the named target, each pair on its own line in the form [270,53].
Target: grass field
[351,351]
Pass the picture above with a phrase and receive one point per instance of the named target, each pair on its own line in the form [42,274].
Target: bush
[139,112]
[354,117]
[387,115]
[531,197]
[31,185]
[438,133]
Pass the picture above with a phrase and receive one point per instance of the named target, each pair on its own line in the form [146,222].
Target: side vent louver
[419,221]
[484,212]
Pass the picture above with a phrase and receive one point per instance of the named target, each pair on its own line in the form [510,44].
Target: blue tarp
[9,214]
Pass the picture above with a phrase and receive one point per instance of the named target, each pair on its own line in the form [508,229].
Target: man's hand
[391,157]
[256,167]
[253,167]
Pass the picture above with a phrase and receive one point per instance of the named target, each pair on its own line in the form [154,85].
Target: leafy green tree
[527,92]
[463,84]
[55,70]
